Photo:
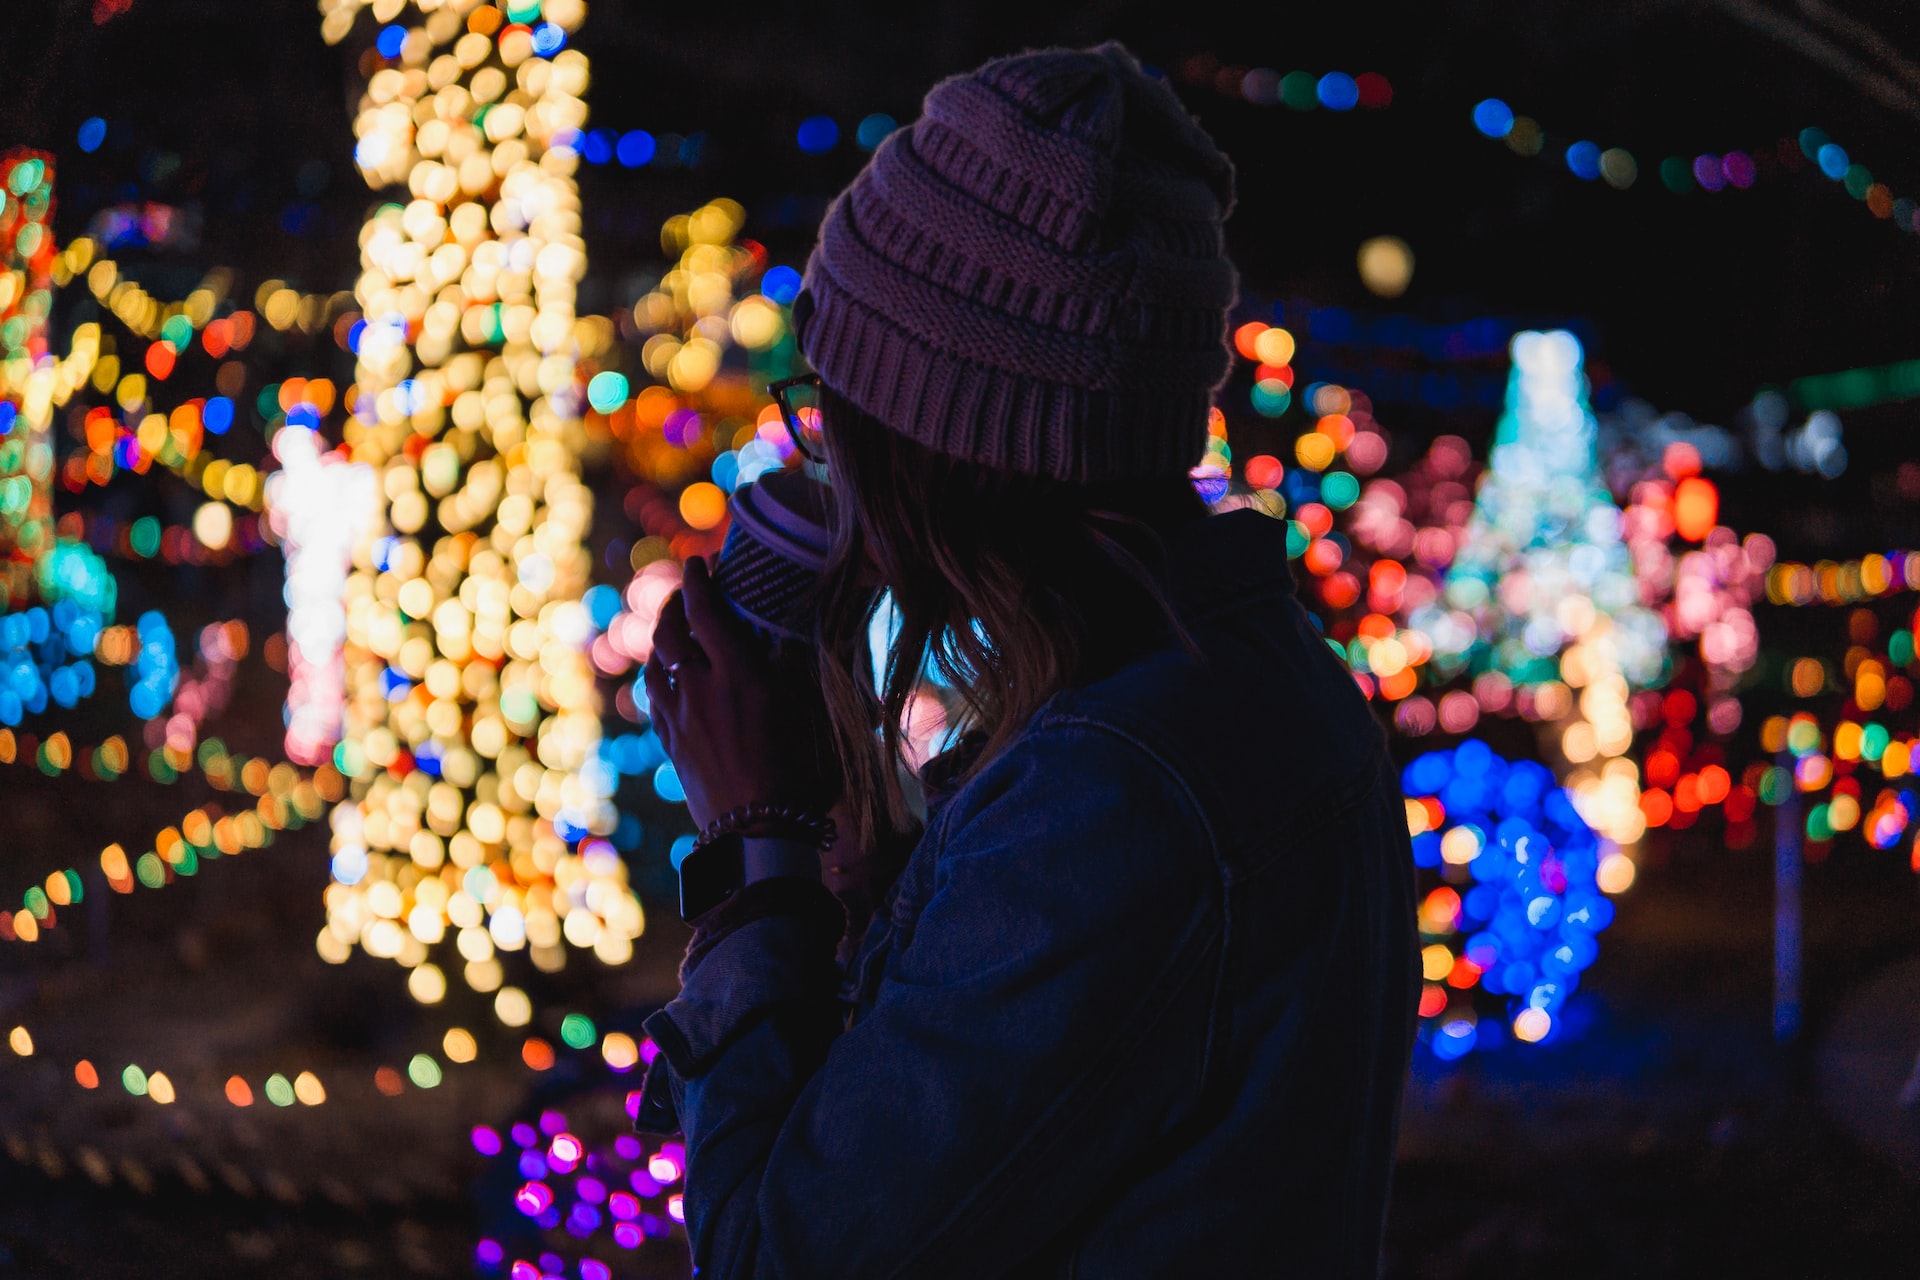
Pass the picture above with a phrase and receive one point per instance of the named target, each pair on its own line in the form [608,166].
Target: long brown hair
[1012,587]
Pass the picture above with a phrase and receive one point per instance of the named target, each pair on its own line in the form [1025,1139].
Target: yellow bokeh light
[1615,873]
[1460,846]
[619,1050]
[1843,813]
[756,323]
[213,525]
[1386,266]
[427,984]
[459,1045]
[1274,346]
[1532,1025]
[1315,451]
[512,1007]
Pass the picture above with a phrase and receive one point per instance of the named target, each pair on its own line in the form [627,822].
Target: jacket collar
[1226,560]
[1220,562]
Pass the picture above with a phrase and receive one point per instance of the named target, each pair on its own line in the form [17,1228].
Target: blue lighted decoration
[1519,910]
[47,651]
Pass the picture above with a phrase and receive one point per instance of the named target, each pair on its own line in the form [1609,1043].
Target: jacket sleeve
[1041,1030]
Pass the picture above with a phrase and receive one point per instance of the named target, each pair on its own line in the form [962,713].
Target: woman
[1141,1000]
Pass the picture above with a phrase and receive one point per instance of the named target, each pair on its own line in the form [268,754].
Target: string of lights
[617,1051]
[1336,91]
[1735,170]
[286,800]
[621,1185]
[1843,582]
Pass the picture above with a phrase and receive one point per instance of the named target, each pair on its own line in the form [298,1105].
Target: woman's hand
[737,729]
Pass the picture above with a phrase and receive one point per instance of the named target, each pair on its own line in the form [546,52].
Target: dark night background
[1672,1138]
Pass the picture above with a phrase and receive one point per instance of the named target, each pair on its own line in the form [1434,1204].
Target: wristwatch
[714,872]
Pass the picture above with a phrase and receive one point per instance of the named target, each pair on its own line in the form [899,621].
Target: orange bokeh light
[1246,335]
[1696,506]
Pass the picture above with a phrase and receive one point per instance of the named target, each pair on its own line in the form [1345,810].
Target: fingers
[660,691]
[710,616]
[673,640]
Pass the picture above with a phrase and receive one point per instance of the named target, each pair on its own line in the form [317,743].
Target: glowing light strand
[471,722]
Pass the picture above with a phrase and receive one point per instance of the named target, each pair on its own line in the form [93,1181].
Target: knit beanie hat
[1032,276]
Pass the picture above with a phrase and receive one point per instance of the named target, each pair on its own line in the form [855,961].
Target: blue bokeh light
[1583,160]
[93,132]
[217,416]
[782,284]
[635,148]
[1337,91]
[603,605]
[818,135]
[873,129]
[1493,117]
[666,784]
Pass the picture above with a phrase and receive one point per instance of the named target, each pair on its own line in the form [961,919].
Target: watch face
[708,875]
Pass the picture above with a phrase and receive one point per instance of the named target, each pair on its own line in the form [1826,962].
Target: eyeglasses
[799,401]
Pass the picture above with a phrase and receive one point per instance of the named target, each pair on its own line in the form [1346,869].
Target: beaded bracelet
[806,825]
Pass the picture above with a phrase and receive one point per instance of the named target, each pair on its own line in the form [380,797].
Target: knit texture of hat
[1032,276]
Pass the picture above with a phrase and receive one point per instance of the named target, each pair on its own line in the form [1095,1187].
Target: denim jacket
[1140,1004]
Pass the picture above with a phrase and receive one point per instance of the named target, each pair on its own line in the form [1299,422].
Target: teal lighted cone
[1545,532]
